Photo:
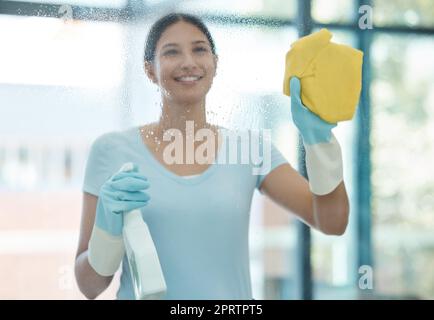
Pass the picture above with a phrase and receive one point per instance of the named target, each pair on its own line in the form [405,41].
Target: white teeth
[188,78]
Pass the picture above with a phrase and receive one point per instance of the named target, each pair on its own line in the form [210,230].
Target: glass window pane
[48,51]
[403,153]
[404,13]
[59,89]
[332,258]
[86,3]
[247,93]
[327,11]
[243,8]
[43,153]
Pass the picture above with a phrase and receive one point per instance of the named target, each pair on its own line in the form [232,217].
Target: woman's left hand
[312,128]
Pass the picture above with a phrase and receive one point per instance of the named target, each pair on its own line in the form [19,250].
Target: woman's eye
[170,52]
[200,49]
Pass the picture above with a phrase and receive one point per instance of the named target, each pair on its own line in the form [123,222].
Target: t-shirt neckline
[197,178]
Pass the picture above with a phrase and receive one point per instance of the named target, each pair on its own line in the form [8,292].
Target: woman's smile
[188,80]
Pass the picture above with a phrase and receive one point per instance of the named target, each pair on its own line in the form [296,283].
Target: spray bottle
[145,269]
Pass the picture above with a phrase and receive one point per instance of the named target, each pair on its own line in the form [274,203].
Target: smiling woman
[200,225]
[180,58]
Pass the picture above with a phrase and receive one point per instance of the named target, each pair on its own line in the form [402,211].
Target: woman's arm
[326,213]
[91,284]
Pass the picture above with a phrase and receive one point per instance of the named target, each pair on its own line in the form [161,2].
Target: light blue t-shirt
[200,225]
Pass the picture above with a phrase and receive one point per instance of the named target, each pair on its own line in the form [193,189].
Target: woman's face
[184,65]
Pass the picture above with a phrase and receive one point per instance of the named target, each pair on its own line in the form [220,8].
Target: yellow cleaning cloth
[330,75]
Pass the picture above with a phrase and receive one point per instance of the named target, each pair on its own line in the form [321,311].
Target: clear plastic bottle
[147,276]
[145,268]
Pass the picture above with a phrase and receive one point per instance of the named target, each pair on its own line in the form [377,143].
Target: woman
[197,212]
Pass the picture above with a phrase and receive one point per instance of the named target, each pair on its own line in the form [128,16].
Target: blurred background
[72,70]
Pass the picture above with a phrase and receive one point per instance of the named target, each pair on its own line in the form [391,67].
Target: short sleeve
[276,159]
[97,166]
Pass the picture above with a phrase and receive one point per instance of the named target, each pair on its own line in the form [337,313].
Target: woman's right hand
[122,193]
